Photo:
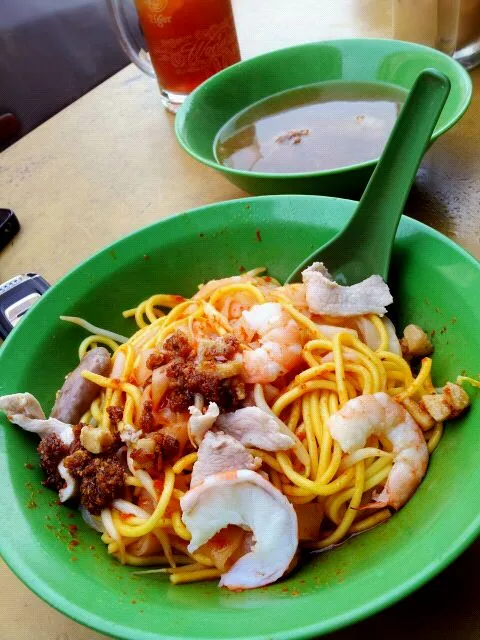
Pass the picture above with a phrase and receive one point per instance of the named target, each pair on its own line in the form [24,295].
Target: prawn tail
[380,500]
[380,504]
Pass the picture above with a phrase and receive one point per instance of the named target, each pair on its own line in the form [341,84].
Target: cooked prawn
[379,414]
[277,341]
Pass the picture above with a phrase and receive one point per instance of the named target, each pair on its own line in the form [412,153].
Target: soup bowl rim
[183,113]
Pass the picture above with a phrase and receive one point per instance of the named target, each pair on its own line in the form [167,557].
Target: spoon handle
[364,246]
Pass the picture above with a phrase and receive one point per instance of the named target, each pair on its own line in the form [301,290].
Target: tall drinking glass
[452,26]
[188,41]
[468,45]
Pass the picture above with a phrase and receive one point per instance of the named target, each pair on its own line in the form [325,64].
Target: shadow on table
[425,206]
[447,608]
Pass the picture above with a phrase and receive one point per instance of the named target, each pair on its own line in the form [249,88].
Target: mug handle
[127,40]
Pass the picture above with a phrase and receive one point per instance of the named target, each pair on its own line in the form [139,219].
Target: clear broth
[311,128]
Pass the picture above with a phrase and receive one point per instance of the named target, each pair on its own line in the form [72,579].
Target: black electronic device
[17,295]
[9,226]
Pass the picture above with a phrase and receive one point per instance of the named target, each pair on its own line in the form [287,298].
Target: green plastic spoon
[364,246]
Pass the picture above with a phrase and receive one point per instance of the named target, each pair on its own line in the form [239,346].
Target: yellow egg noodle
[314,471]
[241,426]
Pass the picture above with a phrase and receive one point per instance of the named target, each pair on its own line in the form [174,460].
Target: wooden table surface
[109,164]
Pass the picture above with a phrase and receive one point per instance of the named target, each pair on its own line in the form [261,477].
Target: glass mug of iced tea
[188,41]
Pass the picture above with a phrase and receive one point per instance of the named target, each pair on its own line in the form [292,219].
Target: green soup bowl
[435,284]
[234,89]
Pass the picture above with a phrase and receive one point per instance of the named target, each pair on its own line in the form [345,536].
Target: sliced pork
[219,452]
[254,427]
[326,297]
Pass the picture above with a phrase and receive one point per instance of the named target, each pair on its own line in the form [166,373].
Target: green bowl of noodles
[434,284]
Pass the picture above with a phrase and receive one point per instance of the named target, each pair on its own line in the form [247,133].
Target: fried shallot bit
[147,421]
[178,345]
[294,136]
[115,415]
[155,360]
[218,350]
